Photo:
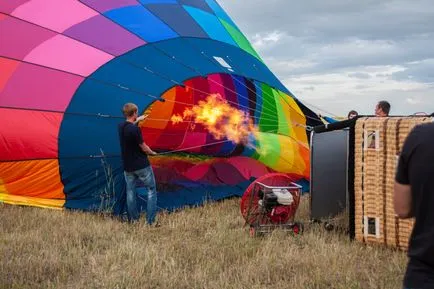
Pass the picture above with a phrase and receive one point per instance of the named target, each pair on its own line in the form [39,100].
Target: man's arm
[140,118]
[402,201]
[147,149]
[402,198]
[143,146]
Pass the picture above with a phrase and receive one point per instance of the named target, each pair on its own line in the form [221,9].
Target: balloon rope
[149,71]
[225,141]
[193,147]
[173,81]
[172,57]
[263,91]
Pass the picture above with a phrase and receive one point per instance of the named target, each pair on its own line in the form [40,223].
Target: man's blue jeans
[146,175]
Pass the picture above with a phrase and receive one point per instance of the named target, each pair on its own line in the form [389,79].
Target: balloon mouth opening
[195,121]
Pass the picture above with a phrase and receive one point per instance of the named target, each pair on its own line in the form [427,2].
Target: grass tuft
[205,247]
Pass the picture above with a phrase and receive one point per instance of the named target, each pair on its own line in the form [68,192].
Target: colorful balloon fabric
[67,68]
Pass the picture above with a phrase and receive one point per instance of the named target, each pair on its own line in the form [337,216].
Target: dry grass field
[205,247]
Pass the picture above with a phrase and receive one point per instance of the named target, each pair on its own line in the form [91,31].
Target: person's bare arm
[140,118]
[147,149]
[402,201]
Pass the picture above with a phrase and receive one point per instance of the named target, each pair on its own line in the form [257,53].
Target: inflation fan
[270,203]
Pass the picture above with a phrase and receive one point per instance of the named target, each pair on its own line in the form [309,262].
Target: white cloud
[289,65]
[266,39]
[343,55]
[412,100]
[339,92]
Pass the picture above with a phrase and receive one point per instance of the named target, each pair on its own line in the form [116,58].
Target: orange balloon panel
[159,115]
[35,178]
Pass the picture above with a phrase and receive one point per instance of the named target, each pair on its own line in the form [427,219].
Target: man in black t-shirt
[414,197]
[136,164]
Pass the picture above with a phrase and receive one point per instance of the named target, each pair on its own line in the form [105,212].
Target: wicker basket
[378,142]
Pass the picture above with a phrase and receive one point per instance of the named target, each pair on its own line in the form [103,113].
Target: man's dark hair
[352,112]
[385,106]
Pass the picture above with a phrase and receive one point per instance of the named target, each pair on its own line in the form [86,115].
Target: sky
[338,55]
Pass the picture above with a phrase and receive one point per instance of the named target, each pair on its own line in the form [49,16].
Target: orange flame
[220,119]
[176,119]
